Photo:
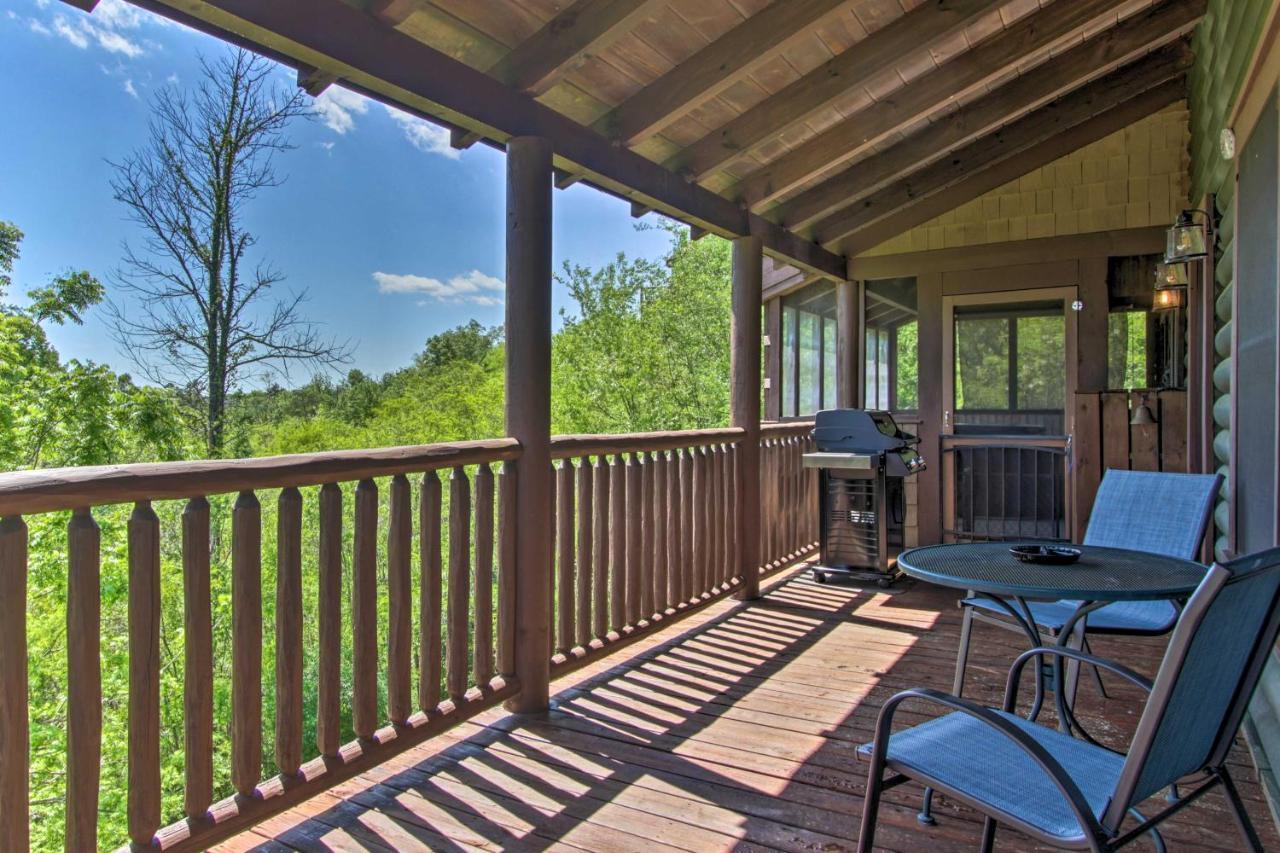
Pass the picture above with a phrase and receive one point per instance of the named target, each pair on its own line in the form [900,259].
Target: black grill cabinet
[862,458]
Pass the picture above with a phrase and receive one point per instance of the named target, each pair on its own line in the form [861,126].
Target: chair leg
[988,835]
[1251,840]
[962,656]
[1097,673]
[871,808]
[926,809]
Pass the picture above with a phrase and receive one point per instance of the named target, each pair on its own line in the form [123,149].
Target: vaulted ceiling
[825,126]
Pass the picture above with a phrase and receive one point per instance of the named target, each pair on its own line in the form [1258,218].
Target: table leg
[1067,672]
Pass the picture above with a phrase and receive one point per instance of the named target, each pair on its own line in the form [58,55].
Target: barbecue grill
[862,458]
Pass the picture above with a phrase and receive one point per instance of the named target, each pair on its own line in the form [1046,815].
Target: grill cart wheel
[819,576]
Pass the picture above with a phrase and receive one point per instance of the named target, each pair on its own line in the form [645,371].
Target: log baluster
[459,627]
[197,685]
[399,601]
[675,536]
[246,642]
[364,612]
[618,544]
[289,632]
[635,522]
[14,732]
[144,673]
[688,531]
[600,581]
[329,612]
[646,561]
[720,515]
[483,652]
[507,569]
[84,679]
[564,557]
[698,505]
[732,463]
[660,533]
[586,544]
[430,594]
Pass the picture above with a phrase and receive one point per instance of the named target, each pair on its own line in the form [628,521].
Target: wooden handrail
[573,446]
[781,428]
[52,489]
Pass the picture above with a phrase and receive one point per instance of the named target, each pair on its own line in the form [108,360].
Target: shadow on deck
[736,729]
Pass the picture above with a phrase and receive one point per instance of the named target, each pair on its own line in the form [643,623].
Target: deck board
[735,730]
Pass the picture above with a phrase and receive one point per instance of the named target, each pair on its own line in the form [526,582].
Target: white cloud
[338,108]
[422,134]
[75,35]
[106,27]
[474,287]
[37,26]
[129,90]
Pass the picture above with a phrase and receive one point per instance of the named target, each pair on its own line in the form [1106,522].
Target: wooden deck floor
[735,730]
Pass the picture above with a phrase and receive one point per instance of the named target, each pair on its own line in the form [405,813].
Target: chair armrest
[1015,671]
[1055,771]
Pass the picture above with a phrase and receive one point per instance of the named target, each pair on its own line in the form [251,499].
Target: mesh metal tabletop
[1101,574]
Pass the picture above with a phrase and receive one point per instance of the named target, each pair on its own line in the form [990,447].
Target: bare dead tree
[200,313]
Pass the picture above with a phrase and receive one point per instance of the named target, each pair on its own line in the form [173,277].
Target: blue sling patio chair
[1072,793]
[1153,511]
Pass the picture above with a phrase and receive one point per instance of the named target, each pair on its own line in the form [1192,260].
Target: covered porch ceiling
[823,126]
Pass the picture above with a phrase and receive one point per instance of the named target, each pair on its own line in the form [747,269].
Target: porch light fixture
[1186,239]
[1169,297]
[1142,414]
[1172,275]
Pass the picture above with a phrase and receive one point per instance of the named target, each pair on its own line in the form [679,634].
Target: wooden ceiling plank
[397,69]
[915,31]
[1075,108]
[1042,154]
[860,132]
[712,69]
[565,42]
[1100,55]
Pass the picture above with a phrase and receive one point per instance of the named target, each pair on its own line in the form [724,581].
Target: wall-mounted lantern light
[1169,297]
[1186,239]
[1172,275]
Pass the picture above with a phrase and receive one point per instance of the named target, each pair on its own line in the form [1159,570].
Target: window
[1010,369]
[892,355]
[1127,349]
[809,350]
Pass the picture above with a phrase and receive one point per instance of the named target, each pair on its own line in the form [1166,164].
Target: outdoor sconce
[1142,414]
[1186,239]
[1171,275]
[1169,297]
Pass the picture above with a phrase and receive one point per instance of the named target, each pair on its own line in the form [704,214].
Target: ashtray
[1053,555]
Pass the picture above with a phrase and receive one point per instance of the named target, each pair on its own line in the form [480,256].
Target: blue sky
[392,234]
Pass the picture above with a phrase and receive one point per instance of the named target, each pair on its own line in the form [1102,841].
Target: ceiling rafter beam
[1094,58]
[1058,117]
[397,69]
[713,69]
[860,65]
[565,42]
[989,60]
[1034,157]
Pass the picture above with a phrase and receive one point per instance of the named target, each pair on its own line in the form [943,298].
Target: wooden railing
[451,684]
[646,531]
[788,494]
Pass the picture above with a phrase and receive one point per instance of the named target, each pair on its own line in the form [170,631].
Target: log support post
[528,408]
[848,321]
[744,378]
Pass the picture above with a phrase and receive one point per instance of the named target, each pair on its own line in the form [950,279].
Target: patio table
[1100,577]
